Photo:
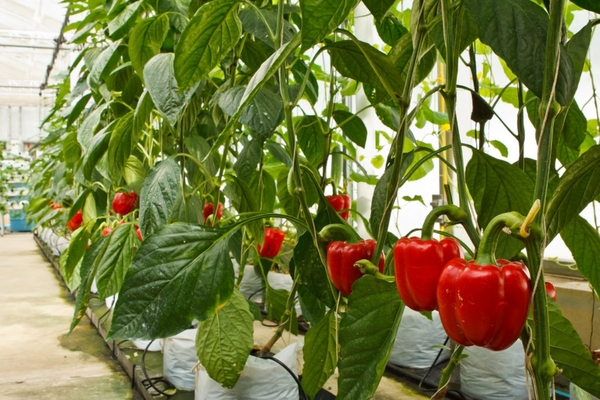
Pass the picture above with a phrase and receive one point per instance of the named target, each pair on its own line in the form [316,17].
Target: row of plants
[189,132]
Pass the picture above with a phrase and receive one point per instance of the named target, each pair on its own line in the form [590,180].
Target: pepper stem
[368,268]
[533,212]
[342,232]
[452,212]
[489,241]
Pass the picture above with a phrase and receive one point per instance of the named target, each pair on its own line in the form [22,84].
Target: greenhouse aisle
[37,358]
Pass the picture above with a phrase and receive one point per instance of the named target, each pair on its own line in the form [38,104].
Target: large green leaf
[254,24]
[224,341]
[352,126]
[584,242]
[579,185]
[591,5]
[367,333]
[71,150]
[76,251]
[75,112]
[146,40]
[209,36]
[85,133]
[276,305]
[97,149]
[188,211]
[103,64]
[134,173]
[311,138]
[162,86]
[313,274]
[158,196]
[248,160]
[89,266]
[379,8]
[570,354]
[362,62]
[180,273]
[516,30]
[263,114]
[120,146]
[498,187]
[121,24]
[577,49]
[142,113]
[259,79]
[321,17]
[320,354]
[116,260]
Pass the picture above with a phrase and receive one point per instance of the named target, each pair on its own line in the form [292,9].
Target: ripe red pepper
[75,222]
[342,256]
[106,231]
[209,209]
[340,202]
[418,265]
[138,233]
[551,290]
[484,305]
[272,244]
[124,203]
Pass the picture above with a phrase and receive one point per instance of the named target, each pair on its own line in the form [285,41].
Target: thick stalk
[398,145]
[447,373]
[542,364]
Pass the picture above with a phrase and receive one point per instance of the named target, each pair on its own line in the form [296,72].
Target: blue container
[18,223]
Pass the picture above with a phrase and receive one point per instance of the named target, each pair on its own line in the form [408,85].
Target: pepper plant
[194,102]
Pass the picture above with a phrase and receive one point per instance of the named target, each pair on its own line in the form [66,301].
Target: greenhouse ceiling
[28,33]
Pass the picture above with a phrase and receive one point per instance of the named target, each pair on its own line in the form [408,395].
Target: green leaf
[299,70]
[104,64]
[86,131]
[313,273]
[516,30]
[498,187]
[113,264]
[579,185]
[321,17]
[260,78]
[311,139]
[584,242]
[352,126]
[320,354]
[248,160]
[209,36]
[577,49]
[263,114]
[90,212]
[591,5]
[143,110]
[367,334]
[188,211]
[501,147]
[179,273]
[253,24]
[158,196]
[96,150]
[379,8]
[362,62]
[76,251]
[89,266]
[134,173]
[121,24]
[78,108]
[71,150]
[570,354]
[224,341]
[146,39]
[120,146]
[276,307]
[575,127]
[162,86]
[313,310]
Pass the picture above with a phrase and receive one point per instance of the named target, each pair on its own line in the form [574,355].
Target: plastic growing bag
[418,340]
[494,375]
[251,285]
[261,379]
[179,357]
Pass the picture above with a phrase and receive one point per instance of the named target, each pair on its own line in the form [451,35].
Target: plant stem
[447,373]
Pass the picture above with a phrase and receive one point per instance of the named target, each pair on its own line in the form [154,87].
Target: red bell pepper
[209,209]
[484,305]
[418,265]
[341,202]
[341,257]
[75,222]
[106,231]
[124,203]
[272,244]
[550,290]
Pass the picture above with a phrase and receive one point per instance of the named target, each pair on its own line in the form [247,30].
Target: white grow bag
[261,379]
[494,375]
[418,340]
[179,358]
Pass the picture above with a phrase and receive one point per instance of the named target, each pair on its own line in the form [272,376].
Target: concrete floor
[37,359]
